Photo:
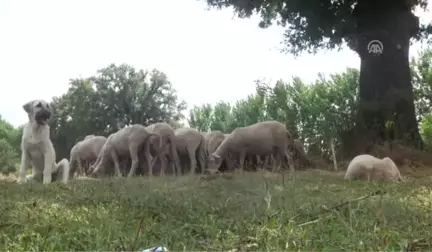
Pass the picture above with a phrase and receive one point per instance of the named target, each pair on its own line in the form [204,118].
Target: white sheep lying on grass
[367,167]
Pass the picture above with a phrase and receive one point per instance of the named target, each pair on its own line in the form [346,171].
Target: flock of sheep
[188,150]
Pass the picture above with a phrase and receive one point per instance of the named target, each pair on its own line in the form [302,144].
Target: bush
[8,157]
[426,130]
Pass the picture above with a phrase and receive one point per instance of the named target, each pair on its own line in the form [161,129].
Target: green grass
[251,211]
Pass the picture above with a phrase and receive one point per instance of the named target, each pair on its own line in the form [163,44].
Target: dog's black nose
[45,114]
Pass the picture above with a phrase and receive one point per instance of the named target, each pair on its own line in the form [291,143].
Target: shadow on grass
[251,211]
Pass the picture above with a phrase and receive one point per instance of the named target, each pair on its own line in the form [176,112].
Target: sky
[208,55]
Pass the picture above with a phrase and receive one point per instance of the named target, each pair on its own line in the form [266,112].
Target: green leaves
[116,96]
[317,113]
[310,25]
[8,157]
[10,139]
[426,130]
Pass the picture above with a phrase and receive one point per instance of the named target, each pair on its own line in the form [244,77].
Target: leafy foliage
[9,146]
[311,25]
[115,97]
[317,113]
[421,71]
[8,157]
[426,130]
[10,134]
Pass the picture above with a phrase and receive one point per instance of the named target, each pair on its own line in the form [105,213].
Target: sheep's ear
[216,157]
[28,107]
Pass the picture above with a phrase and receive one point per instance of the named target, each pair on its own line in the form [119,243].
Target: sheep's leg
[163,162]
[193,162]
[242,158]
[147,155]
[116,164]
[258,162]
[290,160]
[98,159]
[272,161]
[90,162]
[249,162]
[153,162]
[98,164]
[79,163]
[175,158]
[201,158]
[149,158]
[133,149]
[266,161]
[277,163]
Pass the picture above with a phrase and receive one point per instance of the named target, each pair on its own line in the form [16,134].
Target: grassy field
[317,211]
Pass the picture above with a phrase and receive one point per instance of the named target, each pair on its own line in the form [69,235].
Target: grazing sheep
[85,150]
[166,148]
[367,167]
[126,141]
[191,143]
[263,138]
[213,140]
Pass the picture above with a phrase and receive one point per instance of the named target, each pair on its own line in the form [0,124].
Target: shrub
[8,157]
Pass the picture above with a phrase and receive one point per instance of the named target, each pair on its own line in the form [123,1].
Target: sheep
[368,167]
[167,148]
[263,138]
[85,150]
[126,141]
[190,142]
[213,140]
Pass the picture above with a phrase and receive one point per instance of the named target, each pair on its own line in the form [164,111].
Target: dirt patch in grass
[247,211]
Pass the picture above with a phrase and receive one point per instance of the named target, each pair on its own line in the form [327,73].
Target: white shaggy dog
[367,167]
[37,148]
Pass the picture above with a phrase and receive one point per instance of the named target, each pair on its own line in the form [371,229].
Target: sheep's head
[390,163]
[215,161]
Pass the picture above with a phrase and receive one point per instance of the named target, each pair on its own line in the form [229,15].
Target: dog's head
[38,111]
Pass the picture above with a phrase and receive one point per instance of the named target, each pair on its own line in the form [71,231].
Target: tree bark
[386,110]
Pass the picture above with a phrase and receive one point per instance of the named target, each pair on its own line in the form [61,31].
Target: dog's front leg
[25,164]
[48,166]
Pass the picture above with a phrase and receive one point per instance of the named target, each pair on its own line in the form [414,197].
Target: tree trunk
[386,110]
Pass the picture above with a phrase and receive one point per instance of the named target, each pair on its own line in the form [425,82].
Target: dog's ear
[28,107]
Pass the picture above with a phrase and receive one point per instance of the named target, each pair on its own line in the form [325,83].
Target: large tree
[378,30]
[115,97]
